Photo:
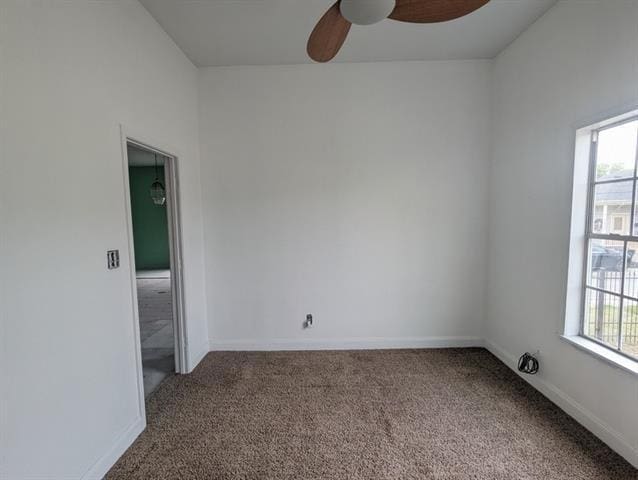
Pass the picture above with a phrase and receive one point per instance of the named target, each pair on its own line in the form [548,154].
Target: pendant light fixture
[158,192]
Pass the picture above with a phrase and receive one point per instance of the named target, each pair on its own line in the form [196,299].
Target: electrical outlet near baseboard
[308,322]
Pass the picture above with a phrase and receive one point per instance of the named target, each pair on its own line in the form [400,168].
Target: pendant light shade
[158,192]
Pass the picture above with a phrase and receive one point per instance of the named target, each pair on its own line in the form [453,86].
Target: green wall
[150,225]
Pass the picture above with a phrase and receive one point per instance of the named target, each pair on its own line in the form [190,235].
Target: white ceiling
[274,32]
[138,157]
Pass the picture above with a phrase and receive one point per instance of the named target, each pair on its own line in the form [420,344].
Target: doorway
[154,238]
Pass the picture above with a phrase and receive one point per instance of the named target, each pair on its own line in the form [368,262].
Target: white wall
[574,66]
[72,71]
[356,192]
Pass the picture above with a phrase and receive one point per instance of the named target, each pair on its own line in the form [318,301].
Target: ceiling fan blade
[328,35]
[433,11]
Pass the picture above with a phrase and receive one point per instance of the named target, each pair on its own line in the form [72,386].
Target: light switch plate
[113,259]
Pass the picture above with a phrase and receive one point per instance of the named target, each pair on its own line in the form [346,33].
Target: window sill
[615,359]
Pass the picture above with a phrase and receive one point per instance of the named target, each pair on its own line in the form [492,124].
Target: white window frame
[582,231]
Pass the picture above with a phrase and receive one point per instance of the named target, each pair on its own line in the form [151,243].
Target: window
[610,296]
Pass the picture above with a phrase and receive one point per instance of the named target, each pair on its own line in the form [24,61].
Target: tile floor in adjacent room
[156,327]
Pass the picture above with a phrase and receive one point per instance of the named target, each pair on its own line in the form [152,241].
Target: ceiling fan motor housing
[366,12]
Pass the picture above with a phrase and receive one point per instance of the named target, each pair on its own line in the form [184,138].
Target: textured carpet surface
[394,414]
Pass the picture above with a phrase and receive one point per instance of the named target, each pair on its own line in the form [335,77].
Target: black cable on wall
[528,363]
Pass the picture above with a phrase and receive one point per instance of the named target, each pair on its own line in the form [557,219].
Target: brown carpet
[394,414]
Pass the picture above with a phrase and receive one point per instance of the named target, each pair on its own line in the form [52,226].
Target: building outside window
[610,294]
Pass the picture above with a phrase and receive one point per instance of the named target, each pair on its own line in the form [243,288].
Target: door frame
[171,180]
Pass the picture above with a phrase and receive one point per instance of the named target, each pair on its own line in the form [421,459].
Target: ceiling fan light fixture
[366,12]
[332,29]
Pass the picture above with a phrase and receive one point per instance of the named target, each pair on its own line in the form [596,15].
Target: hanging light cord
[156,174]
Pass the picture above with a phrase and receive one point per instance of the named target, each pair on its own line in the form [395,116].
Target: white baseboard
[345,344]
[583,416]
[121,443]
[196,355]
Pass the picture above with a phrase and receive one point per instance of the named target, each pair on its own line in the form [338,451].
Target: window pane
[631,273]
[630,327]
[612,207]
[616,153]
[602,317]
[604,264]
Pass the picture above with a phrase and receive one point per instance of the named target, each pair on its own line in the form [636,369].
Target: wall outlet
[308,322]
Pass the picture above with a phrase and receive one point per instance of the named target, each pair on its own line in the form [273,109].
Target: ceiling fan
[332,29]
